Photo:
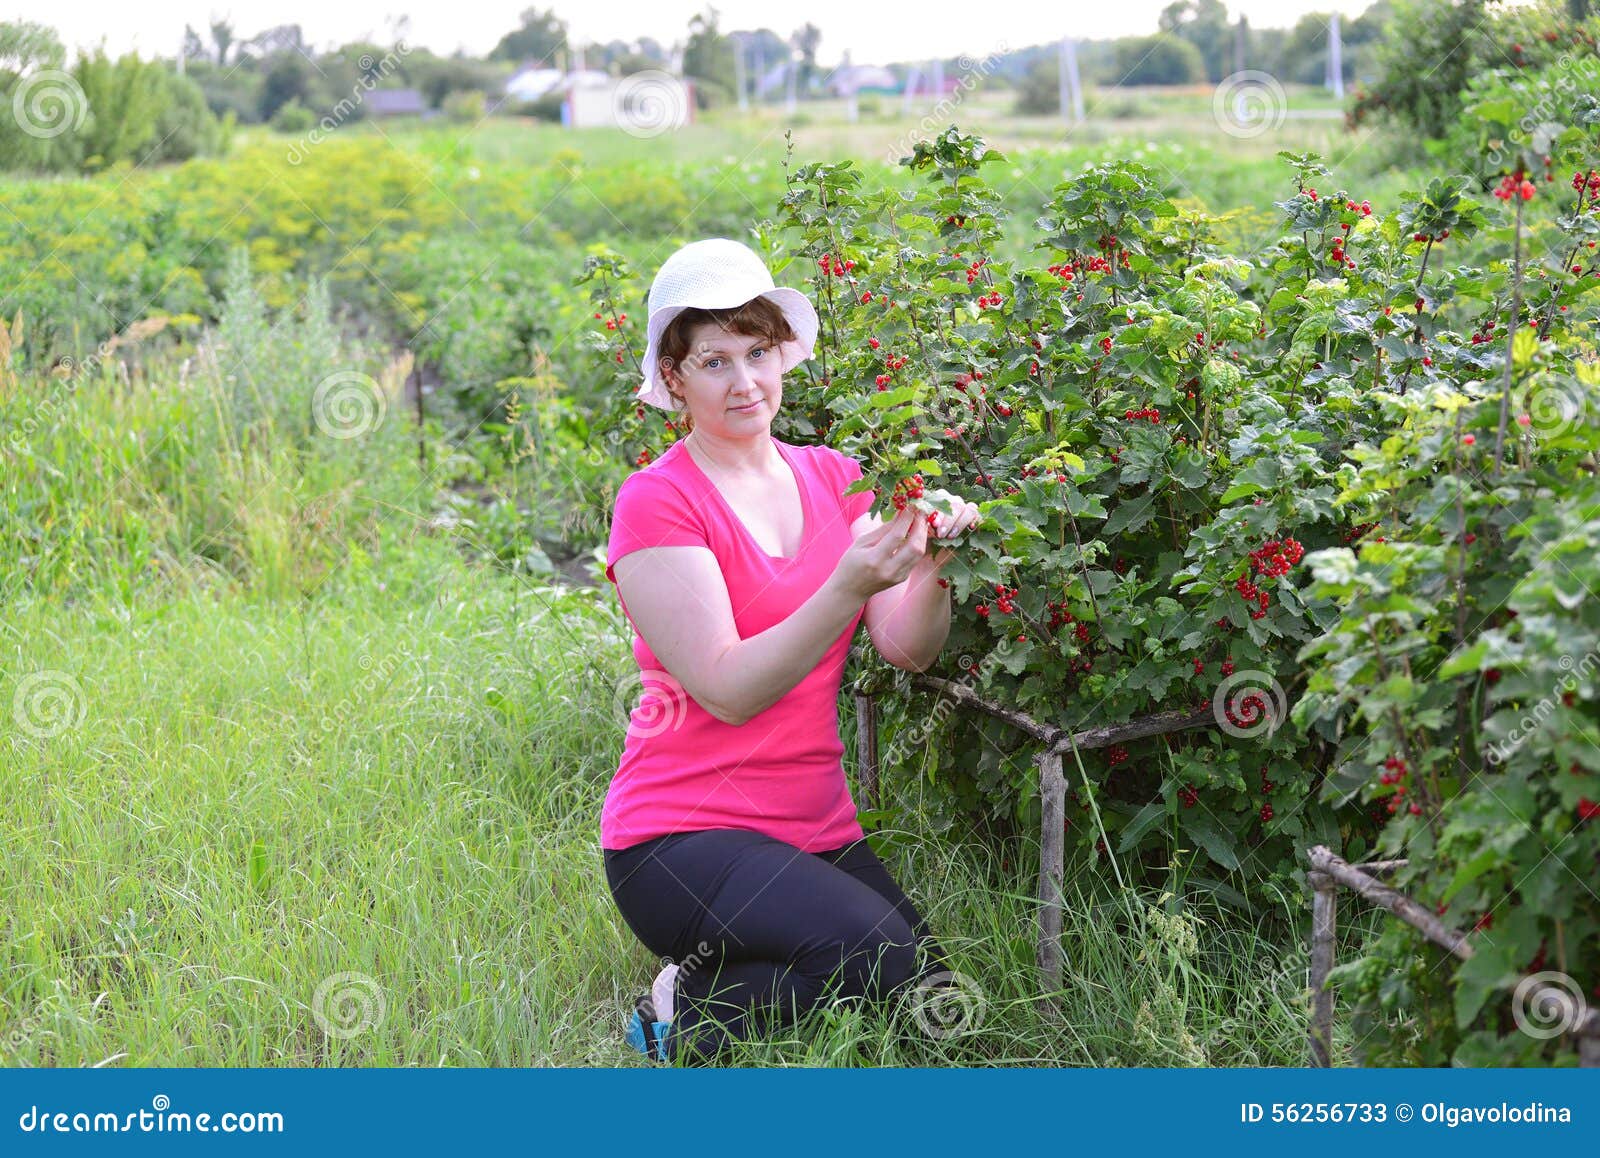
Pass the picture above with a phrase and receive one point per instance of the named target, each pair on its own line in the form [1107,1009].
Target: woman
[730,840]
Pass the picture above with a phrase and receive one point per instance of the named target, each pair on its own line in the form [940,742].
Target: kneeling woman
[730,839]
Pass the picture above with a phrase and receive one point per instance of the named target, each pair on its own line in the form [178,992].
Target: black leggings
[760,929]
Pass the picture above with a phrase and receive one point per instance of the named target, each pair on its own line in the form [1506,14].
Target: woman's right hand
[884,556]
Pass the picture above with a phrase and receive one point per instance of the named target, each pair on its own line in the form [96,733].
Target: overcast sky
[872,32]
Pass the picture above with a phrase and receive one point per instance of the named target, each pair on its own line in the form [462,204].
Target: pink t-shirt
[779,773]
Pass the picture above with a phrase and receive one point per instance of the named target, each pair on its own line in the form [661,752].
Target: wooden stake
[1053,809]
[1402,906]
[867,747]
[1324,905]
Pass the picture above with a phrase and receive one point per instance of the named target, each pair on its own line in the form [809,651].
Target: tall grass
[402,781]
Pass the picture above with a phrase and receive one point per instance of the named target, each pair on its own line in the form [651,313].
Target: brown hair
[758,318]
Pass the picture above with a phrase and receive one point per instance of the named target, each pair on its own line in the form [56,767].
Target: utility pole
[1335,63]
[738,72]
[1071,90]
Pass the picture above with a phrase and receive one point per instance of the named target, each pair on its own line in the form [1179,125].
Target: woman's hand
[945,527]
[884,556]
[887,555]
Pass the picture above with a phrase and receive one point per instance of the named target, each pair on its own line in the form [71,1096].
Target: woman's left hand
[943,527]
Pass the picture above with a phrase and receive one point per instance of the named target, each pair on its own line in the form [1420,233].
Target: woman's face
[732,383]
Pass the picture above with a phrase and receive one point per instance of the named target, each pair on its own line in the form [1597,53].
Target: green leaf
[1131,515]
[1141,823]
[1219,846]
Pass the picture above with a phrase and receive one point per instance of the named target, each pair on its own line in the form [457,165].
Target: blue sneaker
[653,1046]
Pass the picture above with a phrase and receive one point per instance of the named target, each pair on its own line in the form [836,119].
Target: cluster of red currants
[1245,712]
[1516,185]
[1149,413]
[1116,754]
[1275,558]
[1396,773]
[905,490]
[830,264]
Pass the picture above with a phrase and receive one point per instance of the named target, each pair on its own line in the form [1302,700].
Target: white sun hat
[718,273]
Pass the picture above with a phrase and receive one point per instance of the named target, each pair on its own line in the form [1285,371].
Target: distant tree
[805,40]
[288,78]
[187,127]
[194,48]
[1424,101]
[26,49]
[542,37]
[127,98]
[228,90]
[222,36]
[708,56]
[279,39]
[1159,59]
[1039,94]
[1204,24]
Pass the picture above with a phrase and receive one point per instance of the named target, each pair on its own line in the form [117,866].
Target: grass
[402,780]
